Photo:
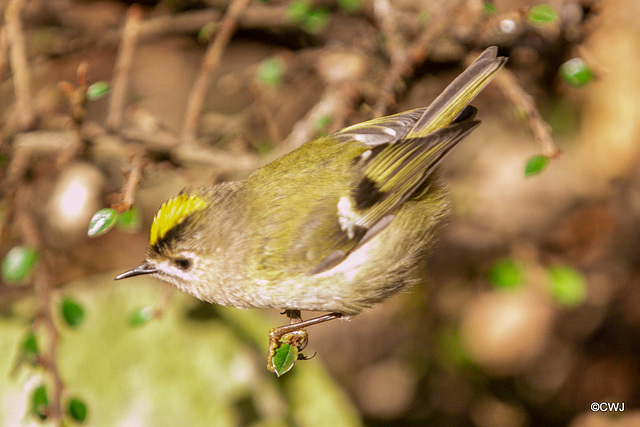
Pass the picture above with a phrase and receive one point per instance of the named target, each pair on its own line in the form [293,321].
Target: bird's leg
[293,334]
[298,324]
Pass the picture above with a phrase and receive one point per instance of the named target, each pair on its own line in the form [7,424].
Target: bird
[337,225]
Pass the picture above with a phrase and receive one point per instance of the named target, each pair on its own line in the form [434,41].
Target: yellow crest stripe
[173,212]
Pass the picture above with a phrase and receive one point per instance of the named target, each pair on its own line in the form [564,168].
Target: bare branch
[209,65]
[19,64]
[524,103]
[122,68]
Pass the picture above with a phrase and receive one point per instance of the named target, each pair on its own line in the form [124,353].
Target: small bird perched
[337,225]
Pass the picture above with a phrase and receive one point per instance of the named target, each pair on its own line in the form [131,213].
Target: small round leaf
[284,358]
[98,90]
[298,11]
[77,409]
[140,316]
[316,21]
[506,274]
[567,285]
[349,6]
[30,350]
[18,264]
[576,72]
[40,402]
[130,220]
[102,221]
[72,312]
[535,165]
[270,71]
[489,8]
[542,14]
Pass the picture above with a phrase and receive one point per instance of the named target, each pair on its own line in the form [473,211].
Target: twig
[524,103]
[133,179]
[122,68]
[265,113]
[405,60]
[209,64]
[25,147]
[257,15]
[4,48]
[394,47]
[77,100]
[43,289]
[19,65]
[334,102]
[161,307]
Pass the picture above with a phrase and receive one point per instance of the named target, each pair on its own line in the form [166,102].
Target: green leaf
[542,14]
[72,312]
[141,316]
[207,31]
[576,72]
[506,274]
[30,350]
[567,285]
[130,220]
[535,165]
[298,11]
[489,8]
[77,409]
[40,402]
[311,20]
[19,263]
[102,221]
[323,122]
[98,90]
[349,6]
[270,71]
[316,21]
[284,358]
[424,17]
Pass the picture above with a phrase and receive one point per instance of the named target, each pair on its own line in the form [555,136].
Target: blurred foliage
[72,312]
[18,264]
[542,14]
[506,273]
[576,72]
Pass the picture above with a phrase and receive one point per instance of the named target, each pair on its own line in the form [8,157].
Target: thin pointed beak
[143,268]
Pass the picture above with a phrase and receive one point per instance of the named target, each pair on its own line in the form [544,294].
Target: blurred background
[529,312]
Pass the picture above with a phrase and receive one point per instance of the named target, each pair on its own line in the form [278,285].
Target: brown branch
[19,65]
[334,103]
[209,64]
[43,289]
[133,179]
[122,68]
[524,104]
[4,49]
[265,112]
[404,61]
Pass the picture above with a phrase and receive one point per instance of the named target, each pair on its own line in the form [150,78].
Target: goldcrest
[337,225]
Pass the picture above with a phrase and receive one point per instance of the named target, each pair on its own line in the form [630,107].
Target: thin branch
[133,179]
[19,64]
[265,112]
[122,68]
[209,65]
[404,61]
[43,288]
[4,49]
[334,103]
[524,104]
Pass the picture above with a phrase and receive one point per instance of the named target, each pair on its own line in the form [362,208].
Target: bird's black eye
[182,263]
